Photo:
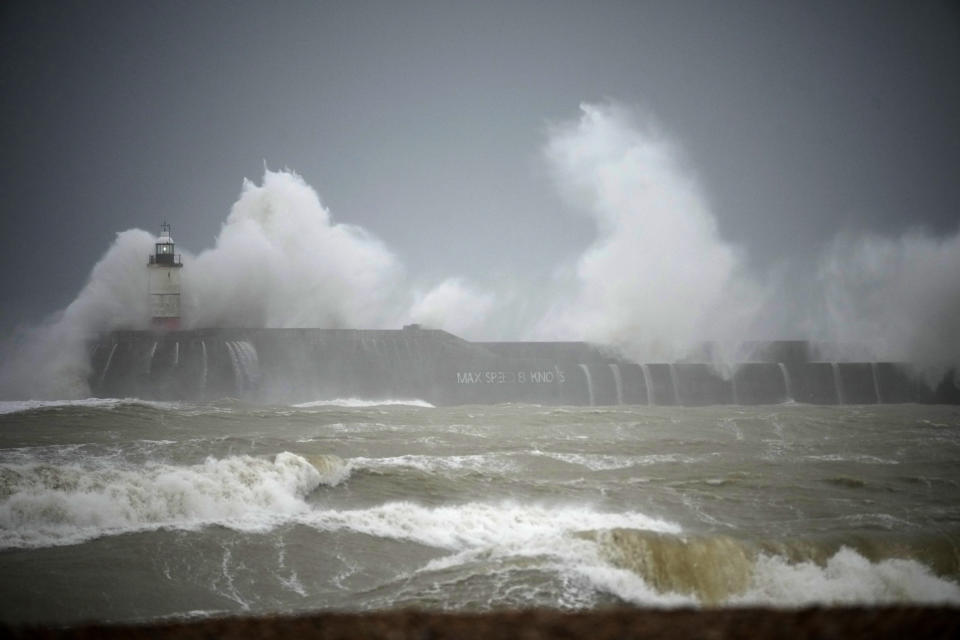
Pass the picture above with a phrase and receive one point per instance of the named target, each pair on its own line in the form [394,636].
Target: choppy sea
[123,510]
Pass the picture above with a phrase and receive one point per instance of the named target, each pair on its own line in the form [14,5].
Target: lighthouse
[164,267]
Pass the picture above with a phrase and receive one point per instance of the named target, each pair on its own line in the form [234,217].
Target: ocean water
[123,510]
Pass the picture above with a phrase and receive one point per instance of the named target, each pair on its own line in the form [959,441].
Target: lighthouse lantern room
[164,268]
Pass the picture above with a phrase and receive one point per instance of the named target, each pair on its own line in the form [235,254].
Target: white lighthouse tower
[164,267]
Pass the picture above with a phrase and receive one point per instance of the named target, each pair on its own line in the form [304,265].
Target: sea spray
[281,261]
[454,306]
[899,295]
[658,279]
[51,361]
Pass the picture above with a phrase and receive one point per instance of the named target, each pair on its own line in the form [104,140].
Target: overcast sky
[425,123]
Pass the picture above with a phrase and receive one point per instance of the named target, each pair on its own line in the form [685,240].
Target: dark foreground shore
[892,622]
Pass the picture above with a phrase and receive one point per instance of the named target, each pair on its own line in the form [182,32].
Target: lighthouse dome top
[163,255]
[165,234]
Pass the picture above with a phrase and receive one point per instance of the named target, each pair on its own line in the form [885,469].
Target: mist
[656,280]
[899,295]
[51,360]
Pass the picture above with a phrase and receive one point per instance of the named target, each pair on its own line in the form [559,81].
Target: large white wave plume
[658,278]
[280,261]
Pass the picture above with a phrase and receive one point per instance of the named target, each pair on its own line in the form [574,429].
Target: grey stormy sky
[424,122]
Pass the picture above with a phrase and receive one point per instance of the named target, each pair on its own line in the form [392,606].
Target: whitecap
[49,505]
[847,578]
[357,403]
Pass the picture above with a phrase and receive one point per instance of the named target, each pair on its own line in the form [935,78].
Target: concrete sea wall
[301,365]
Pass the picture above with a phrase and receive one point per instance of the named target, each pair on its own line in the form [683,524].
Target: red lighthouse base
[165,324]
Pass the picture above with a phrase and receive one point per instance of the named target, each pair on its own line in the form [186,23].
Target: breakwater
[299,365]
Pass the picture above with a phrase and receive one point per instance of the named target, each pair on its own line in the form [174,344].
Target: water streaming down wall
[759,383]
[876,382]
[149,363]
[661,383]
[203,367]
[106,365]
[590,394]
[837,383]
[675,383]
[648,384]
[298,365]
[617,380]
[246,369]
[787,385]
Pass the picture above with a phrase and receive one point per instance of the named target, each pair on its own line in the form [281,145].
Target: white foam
[599,462]
[359,403]
[852,457]
[487,463]
[519,527]
[47,505]
[847,578]
[594,462]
